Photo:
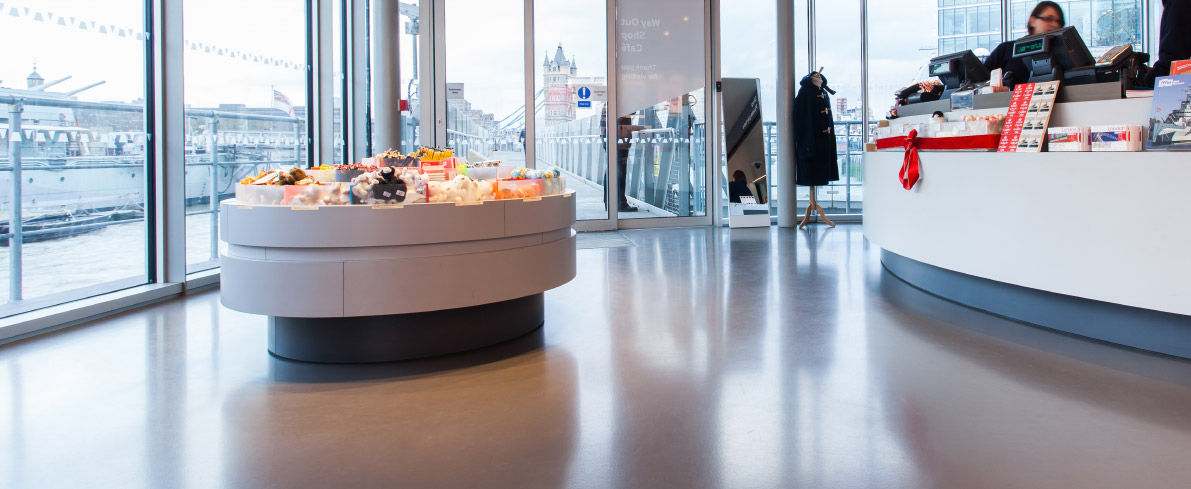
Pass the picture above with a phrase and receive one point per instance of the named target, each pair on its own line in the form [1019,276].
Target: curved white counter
[1090,229]
[421,278]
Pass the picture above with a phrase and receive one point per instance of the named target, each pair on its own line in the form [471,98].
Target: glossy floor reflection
[699,357]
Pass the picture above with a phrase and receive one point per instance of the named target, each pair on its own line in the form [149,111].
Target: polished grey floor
[696,358]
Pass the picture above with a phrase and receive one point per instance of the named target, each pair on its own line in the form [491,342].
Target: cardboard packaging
[1117,138]
[1180,67]
[1069,138]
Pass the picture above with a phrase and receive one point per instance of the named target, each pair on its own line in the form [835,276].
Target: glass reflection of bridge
[661,175]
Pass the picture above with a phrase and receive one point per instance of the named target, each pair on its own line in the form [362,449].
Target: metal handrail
[16,106]
[79,227]
[108,166]
[121,107]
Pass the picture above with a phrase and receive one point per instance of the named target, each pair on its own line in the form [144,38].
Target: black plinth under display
[367,339]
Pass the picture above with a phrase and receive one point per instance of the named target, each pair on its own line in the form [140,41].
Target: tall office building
[972,24]
[968,24]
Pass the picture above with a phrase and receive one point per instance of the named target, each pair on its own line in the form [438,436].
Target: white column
[531,159]
[787,204]
[386,77]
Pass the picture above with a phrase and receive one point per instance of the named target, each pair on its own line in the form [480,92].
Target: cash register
[1062,55]
[956,71]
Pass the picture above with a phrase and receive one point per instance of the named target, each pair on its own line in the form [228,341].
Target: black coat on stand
[814,135]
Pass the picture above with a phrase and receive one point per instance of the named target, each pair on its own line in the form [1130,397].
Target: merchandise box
[1117,138]
[1170,114]
[1182,67]
[1062,139]
[382,194]
[519,189]
[489,172]
[977,135]
[554,186]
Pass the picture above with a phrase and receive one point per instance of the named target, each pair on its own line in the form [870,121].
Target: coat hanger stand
[814,206]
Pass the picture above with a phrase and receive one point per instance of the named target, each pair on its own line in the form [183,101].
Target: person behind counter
[1175,41]
[1047,16]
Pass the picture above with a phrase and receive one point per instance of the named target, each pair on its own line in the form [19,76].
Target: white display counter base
[347,284]
[1106,228]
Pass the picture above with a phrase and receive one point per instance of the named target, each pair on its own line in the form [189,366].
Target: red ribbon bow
[909,171]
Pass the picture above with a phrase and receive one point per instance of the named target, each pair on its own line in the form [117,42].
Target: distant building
[841,105]
[560,81]
[556,76]
[972,24]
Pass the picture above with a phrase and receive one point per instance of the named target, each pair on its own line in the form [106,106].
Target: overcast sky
[484,46]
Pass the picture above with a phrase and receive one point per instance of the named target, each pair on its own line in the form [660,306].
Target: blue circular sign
[584,93]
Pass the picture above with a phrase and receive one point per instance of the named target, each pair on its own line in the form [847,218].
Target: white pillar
[787,83]
[386,77]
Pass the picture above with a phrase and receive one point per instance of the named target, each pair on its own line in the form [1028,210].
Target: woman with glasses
[1046,16]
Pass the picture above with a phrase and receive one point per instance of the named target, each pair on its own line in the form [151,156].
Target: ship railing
[15,136]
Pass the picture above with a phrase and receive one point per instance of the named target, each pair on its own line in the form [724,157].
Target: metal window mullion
[612,108]
[812,56]
[358,88]
[531,159]
[167,141]
[438,56]
[1006,18]
[345,110]
[863,104]
[149,122]
[711,126]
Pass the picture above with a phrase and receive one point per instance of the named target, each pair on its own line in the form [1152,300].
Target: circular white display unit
[360,283]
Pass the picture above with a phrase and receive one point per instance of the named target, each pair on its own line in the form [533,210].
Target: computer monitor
[1050,54]
[957,70]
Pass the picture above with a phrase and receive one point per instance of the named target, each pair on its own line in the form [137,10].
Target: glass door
[571,86]
[612,92]
[661,109]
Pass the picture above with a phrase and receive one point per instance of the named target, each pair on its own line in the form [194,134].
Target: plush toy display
[389,186]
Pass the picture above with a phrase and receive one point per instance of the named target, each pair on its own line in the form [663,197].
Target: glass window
[339,63]
[839,53]
[1117,23]
[82,147]
[664,143]
[488,121]
[245,93]
[569,129]
[411,137]
[755,56]
[1018,13]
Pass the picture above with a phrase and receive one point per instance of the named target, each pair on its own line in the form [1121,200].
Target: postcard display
[1170,114]
[1028,117]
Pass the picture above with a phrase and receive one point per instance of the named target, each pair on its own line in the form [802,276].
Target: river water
[114,253]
